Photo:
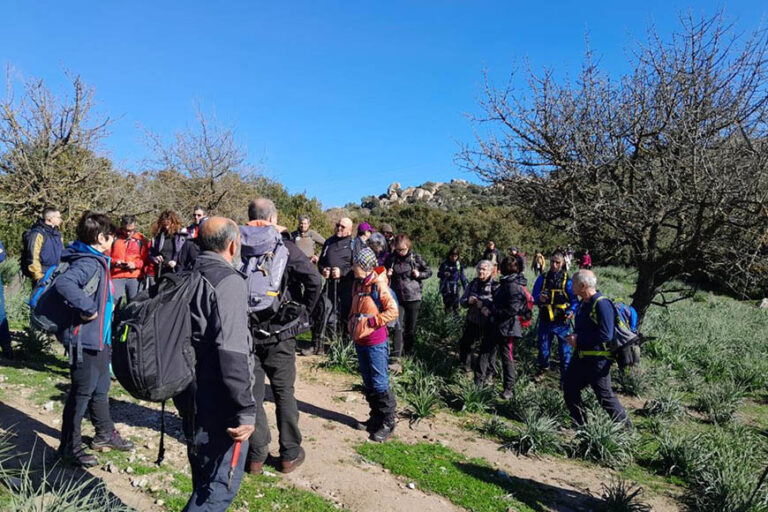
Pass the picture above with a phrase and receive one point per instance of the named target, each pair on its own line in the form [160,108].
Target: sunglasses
[340,226]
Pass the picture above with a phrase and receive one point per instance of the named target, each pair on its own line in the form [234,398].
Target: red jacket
[134,249]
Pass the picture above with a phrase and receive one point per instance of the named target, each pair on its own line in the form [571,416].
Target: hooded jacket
[45,247]
[367,322]
[134,249]
[455,279]
[406,287]
[84,263]
[509,303]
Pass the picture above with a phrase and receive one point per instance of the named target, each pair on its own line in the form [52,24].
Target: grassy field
[698,400]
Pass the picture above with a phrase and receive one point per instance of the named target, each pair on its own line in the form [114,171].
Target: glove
[372,322]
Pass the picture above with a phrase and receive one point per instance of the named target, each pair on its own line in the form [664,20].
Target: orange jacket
[134,249]
[364,307]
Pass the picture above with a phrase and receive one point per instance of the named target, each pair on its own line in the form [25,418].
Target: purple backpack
[265,257]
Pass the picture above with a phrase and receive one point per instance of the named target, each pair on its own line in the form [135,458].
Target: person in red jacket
[130,256]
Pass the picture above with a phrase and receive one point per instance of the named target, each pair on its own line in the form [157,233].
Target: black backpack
[152,353]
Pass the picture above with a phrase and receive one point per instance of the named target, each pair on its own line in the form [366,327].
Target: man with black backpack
[218,409]
[271,262]
[591,365]
[41,245]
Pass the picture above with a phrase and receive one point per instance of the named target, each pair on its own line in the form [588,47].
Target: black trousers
[339,295]
[490,346]
[451,303]
[594,372]
[277,361]
[472,332]
[409,315]
[90,381]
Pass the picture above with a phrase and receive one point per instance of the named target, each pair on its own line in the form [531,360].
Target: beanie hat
[365,259]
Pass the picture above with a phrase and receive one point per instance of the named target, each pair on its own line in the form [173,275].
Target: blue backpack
[46,313]
[377,299]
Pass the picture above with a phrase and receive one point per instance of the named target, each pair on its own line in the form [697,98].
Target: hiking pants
[373,362]
[472,333]
[451,303]
[127,287]
[594,372]
[278,362]
[5,332]
[548,331]
[210,455]
[504,345]
[409,315]
[396,333]
[90,381]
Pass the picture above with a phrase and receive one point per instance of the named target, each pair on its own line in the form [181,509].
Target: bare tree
[668,164]
[48,153]
[204,166]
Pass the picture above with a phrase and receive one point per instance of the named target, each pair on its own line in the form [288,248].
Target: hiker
[275,354]
[491,254]
[42,246]
[199,215]
[452,281]
[87,338]
[218,409]
[515,253]
[364,232]
[378,245]
[5,331]
[585,263]
[335,265]
[407,272]
[190,250]
[307,239]
[553,293]
[478,295]
[129,254]
[168,237]
[389,234]
[594,330]
[505,329]
[539,262]
[373,307]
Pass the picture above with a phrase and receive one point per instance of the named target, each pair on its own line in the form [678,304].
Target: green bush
[719,401]
[622,496]
[9,270]
[602,440]
[668,405]
[466,396]
[422,397]
[340,356]
[538,435]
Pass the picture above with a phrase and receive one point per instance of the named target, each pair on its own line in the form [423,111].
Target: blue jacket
[571,301]
[50,246]
[84,262]
[456,278]
[591,335]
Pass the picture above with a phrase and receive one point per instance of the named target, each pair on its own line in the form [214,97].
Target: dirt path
[332,469]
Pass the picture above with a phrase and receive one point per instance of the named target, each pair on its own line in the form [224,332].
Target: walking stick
[322,336]
[336,307]
[233,464]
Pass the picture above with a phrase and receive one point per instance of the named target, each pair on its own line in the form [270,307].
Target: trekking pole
[233,464]
[325,314]
[336,308]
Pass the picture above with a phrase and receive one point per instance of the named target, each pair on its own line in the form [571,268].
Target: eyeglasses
[199,215]
[340,226]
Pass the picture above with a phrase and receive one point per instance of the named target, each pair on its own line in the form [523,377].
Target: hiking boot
[254,468]
[316,350]
[286,466]
[383,432]
[113,442]
[79,458]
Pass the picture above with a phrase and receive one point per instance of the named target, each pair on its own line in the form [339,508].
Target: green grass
[468,483]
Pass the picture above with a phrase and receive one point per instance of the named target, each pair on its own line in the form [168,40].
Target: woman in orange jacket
[130,256]
[373,307]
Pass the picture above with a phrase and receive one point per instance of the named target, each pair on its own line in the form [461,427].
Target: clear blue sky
[335,98]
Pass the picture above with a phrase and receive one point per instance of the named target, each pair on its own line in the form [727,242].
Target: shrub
[36,342]
[631,382]
[667,405]
[621,496]
[602,440]
[719,401]
[9,270]
[465,395]
[341,355]
[680,454]
[539,434]
[422,398]
[495,427]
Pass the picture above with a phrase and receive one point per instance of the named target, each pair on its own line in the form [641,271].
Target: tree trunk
[645,290]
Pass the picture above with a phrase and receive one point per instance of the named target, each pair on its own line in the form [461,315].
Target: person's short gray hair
[218,240]
[484,263]
[585,277]
[303,217]
[261,209]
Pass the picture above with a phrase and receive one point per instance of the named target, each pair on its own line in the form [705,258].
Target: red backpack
[525,317]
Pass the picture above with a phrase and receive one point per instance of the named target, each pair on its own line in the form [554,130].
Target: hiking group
[203,314]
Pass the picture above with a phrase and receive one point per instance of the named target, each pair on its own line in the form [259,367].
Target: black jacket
[406,287]
[222,341]
[337,252]
[483,290]
[508,303]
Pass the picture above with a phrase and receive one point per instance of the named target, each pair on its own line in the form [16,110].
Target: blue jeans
[5,333]
[547,331]
[373,363]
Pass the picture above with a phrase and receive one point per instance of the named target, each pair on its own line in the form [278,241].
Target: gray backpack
[265,257]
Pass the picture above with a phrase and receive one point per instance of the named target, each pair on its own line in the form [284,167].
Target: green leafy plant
[667,405]
[466,396]
[604,441]
[621,496]
[538,435]
[340,356]
[719,401]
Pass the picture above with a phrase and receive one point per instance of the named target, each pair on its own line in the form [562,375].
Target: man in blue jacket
[42,245]
[591,366]
[553,293]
